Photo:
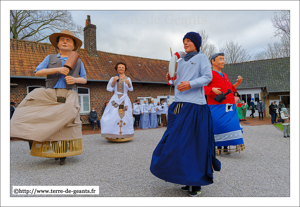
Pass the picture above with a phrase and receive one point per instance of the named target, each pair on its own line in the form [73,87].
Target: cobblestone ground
[122,169]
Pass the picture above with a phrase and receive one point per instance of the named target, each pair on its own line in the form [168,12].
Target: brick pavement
[249,122]
[122,169]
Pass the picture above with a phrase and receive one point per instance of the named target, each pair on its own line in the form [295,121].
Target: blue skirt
[186,153]
[144,121]
[227,128]
[153,120]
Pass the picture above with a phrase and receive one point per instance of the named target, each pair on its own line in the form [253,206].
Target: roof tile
[271,73]
[26,55]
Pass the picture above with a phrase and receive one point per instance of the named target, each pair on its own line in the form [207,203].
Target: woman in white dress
[117,121]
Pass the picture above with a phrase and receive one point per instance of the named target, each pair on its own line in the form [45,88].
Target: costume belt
[61,94]
[120,100]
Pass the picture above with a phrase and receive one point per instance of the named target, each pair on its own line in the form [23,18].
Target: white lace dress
[117,120]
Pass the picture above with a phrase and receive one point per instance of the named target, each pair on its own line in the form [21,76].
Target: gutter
[141,82]
[28,77]
[89,80]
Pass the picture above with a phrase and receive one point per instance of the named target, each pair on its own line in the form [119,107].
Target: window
[84,99]
[246,98]
[256,97]
[31,88]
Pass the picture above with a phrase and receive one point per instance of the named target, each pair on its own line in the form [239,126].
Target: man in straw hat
[51,115]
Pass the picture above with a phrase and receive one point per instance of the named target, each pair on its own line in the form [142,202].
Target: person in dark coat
[276,111]
[261,108]
[12,109]
[252,107]
[93,118]
[272,112]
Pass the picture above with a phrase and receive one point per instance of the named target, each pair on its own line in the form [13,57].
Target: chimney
[90,37]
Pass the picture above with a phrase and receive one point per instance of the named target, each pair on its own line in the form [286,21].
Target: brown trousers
[164,119]
[39,117]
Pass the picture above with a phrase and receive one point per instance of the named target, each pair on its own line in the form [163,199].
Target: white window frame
[80,96]
[35,86]
[252,92]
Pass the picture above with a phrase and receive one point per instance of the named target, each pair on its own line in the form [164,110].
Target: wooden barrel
[119,139]
[56,149]
[231,149]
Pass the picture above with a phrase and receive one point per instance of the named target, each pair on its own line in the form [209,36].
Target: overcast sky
[150,34]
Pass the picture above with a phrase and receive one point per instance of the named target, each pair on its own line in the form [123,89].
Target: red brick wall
[98,93]
[17,94]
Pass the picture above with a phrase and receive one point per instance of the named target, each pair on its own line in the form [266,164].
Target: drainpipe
[264,97]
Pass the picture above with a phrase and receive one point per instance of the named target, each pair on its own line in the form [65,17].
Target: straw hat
[53,38]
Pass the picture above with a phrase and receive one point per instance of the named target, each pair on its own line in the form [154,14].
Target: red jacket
[219,82]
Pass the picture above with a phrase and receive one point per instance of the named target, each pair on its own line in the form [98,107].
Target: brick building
[147,75]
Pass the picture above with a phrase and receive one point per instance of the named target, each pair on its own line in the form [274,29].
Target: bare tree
[37,25]
[285,43]
[281,22]
[234,53]
[260,56]
[274,50]
[206,48]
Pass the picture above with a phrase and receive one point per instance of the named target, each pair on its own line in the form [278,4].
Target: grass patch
[279,126]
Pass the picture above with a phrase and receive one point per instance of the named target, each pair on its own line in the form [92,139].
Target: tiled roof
[272,73]
[25,56]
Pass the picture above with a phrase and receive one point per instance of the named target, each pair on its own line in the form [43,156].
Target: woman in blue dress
[186,153]
[144,120]
[153,115]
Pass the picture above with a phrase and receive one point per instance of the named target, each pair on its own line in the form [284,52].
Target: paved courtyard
[122,169]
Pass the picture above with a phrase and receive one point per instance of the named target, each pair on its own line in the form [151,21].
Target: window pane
[244,98]
[83,91]
[256,97]
[86,103]
[248,99]
[31,88]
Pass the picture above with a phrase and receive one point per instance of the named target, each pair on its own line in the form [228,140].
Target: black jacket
[12,110]
[272,109]
[93,116]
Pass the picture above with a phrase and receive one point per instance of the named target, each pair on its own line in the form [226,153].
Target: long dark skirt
[186,153]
